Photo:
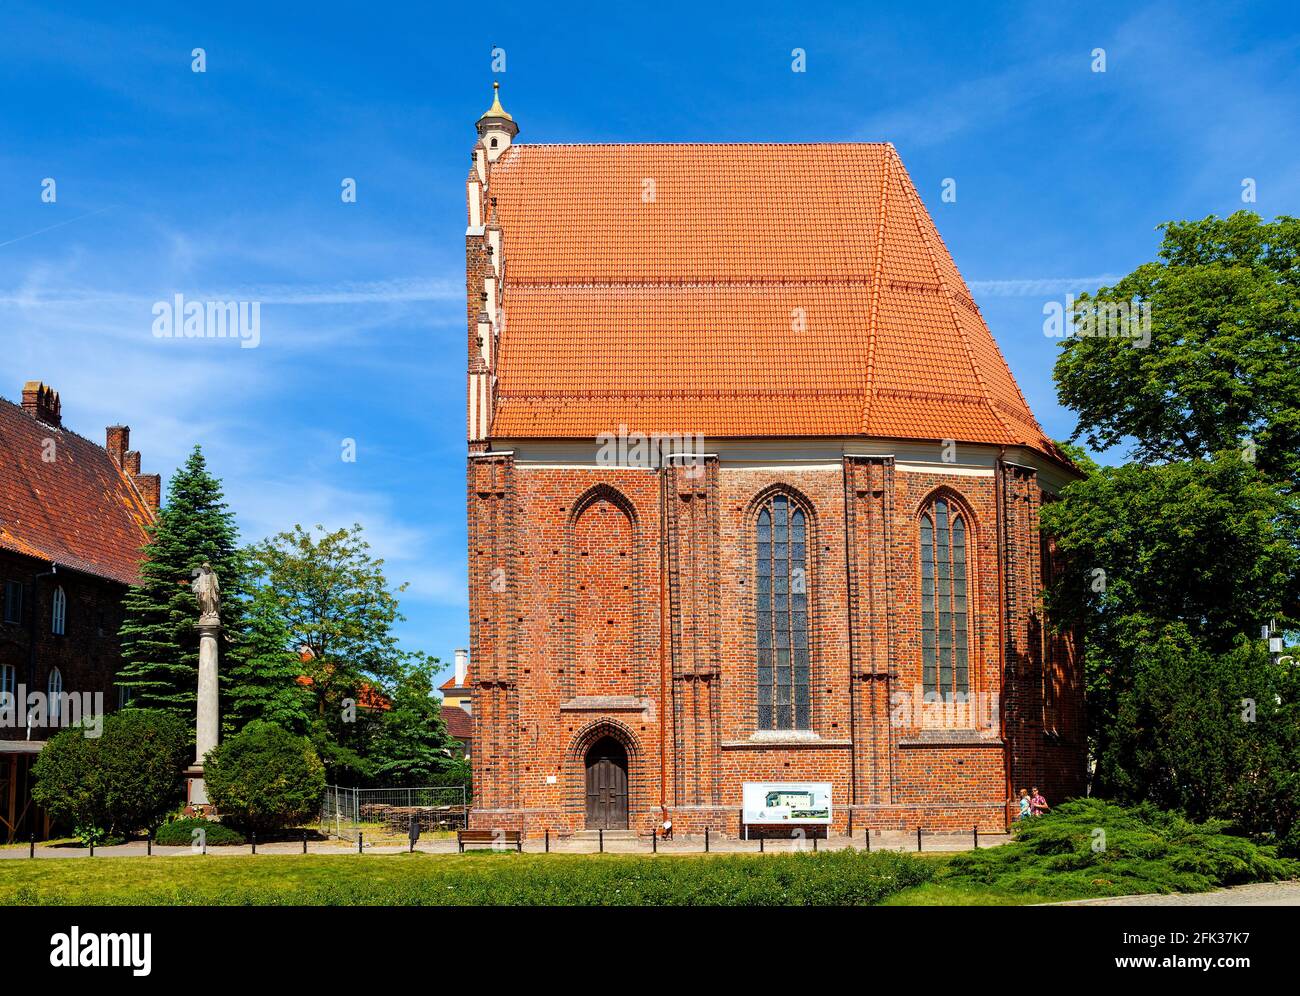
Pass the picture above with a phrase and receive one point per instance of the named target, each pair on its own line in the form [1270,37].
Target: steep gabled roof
[735,291]
[78,510]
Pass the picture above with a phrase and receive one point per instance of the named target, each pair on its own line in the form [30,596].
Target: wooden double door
[607,785]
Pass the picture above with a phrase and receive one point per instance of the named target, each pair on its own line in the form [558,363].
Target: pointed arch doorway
[606,762]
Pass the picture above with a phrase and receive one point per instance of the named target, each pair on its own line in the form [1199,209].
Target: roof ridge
[878,267]
[694,145]
[914,199]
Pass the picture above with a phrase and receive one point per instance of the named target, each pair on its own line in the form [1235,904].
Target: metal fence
[386,814]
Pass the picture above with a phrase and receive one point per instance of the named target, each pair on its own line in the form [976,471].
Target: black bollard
[548,840]
[814,840]
[918,840]
[867,836]
[360,842]
[254,838]
[31,846]
[601,831]
[304,842]
[148,843]
[92,848]
[654,841]
[975,832]
[706,840]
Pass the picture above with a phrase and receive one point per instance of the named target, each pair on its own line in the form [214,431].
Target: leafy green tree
[411,745]
[338,607]
[1209,544]
[159,637]
[124,780]
[265,778]
[1173,562]
[1220,371]
[264,682]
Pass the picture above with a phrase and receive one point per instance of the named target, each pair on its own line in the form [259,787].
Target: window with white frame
[55,687]
[60,615]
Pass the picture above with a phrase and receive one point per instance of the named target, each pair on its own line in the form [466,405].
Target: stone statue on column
[207,591]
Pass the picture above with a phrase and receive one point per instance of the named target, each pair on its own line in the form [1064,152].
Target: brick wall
[87,655]
[565,599]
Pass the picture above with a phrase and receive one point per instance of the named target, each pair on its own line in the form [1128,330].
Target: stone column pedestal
[207,720]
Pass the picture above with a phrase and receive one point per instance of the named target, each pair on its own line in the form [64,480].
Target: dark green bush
[181,832]
[265,778]
[124,780]
[1091,847]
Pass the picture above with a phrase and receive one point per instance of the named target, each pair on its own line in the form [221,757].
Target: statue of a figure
[207,590]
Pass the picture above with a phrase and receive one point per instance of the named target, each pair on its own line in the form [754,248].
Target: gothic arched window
[59,615]
[55,688]
[782,615]
[945,669]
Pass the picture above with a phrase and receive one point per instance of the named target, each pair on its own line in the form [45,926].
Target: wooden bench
[490,837]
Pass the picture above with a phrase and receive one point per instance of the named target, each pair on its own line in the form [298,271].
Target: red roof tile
[764,290]
[79,510]
[460,724]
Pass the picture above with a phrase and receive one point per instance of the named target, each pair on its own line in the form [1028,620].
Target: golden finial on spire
[496,110]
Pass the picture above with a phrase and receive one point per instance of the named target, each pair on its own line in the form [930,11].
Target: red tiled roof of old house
[67,500]
[460,724]
[736,291]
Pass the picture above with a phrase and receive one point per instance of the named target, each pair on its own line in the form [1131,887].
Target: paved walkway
[1260,894]
[881,840]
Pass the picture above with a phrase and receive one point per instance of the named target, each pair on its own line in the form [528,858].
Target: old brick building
[72,522]
[834,574]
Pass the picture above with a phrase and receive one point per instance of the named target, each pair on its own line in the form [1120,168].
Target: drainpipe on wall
[663,642]
[998,493]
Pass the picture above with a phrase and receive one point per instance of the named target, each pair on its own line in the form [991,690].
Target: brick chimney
[42,403]
[149,486]
[118,441]
[131,464]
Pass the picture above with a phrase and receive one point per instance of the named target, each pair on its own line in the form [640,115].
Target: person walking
[1037,804]
[1025,806]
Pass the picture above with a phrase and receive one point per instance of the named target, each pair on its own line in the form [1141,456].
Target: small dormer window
[494,143]
[60,614]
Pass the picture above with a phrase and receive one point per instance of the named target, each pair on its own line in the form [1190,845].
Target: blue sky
[226,185]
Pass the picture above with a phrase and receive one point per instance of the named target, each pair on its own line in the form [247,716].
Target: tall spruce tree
[264,679]
[159,637]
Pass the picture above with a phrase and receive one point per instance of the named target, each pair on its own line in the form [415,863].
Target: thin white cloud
[1036,286]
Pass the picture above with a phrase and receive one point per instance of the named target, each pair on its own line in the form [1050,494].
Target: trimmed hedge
[124,780]
[265,778]
[181,832]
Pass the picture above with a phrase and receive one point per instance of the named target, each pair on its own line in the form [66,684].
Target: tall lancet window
[944,648]
[782,615]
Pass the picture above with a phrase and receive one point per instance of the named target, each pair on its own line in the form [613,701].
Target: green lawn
[481,878]
[1085,849]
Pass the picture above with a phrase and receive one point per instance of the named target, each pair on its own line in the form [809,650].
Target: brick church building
[752,498]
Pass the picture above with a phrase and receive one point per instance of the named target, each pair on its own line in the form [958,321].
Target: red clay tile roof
[766,290]
[79,511]
[460,724]
[450,683]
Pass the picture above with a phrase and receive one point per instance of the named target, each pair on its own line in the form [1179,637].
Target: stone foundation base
[725,821]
